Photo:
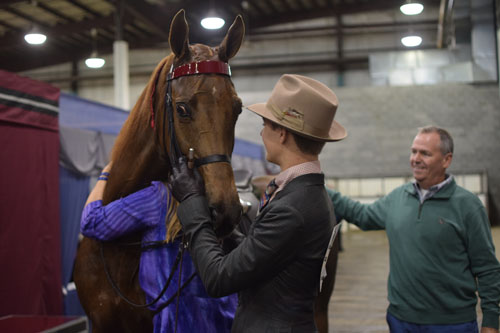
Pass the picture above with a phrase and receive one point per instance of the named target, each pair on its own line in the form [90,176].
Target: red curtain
[30,257]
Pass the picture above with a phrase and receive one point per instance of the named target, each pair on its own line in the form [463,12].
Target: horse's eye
[183,110]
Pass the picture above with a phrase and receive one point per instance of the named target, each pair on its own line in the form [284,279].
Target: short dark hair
[305,145]
[446,139]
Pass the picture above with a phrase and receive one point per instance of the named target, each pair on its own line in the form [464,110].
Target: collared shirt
[291,173]
[426,194]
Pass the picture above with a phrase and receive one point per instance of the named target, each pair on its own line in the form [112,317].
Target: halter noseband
[200,67]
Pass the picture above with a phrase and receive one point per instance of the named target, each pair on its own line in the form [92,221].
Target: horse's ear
[232,42]
[178,38]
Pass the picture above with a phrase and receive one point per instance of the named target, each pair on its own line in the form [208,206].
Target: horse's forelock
[200,52]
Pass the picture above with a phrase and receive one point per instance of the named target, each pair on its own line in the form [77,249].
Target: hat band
[294,120]
[289,117]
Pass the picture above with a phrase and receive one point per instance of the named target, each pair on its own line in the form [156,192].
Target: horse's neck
[130,172]
[136,157]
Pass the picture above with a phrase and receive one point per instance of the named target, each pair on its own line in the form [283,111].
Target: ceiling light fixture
[411,8]
[35,38]
[94,61]
[212,21]
[411,41]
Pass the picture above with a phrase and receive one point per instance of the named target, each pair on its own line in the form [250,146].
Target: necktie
[268,193]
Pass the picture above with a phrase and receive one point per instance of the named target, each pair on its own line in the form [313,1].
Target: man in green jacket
[441,250]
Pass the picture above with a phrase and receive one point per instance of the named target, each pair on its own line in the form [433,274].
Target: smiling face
[427,161]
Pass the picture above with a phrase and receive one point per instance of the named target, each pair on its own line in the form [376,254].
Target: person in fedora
[276,268]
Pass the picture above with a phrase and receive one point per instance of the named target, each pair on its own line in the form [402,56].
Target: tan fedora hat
[304,106]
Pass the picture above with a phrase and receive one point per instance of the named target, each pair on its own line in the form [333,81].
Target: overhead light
[94,61]
[35,38]
[212,23]
[411,41]
[414,8]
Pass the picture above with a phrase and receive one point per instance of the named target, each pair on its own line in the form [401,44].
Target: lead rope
[179,288]
[120,293]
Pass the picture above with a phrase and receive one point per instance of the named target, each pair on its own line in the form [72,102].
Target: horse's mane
[137,156]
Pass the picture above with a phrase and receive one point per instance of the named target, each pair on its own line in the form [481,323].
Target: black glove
[185,182]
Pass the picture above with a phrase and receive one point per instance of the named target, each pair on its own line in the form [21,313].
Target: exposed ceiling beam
[157,18]
[271,4]
[16,38]
[342,9]
[394,25]
[301,5]
[54,12]
[84,8]
[51,54]
[8,26]
[28,18]
[7,3]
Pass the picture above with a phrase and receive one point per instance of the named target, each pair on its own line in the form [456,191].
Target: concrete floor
[359,301]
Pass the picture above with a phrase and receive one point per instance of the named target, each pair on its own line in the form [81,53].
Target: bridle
[193,68]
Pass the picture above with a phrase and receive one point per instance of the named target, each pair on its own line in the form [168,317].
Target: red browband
[201,67]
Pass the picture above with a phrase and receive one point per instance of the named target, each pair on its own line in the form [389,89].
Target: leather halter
[194,68]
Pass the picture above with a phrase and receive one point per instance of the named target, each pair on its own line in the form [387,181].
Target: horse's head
[204,111]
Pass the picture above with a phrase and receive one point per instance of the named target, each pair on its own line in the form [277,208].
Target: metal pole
[120,62]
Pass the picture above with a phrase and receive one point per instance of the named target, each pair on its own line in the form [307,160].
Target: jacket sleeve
[263,254]
[365,216]
[484,265]
[136,211]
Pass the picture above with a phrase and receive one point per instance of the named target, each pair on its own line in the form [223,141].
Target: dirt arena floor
[359,301]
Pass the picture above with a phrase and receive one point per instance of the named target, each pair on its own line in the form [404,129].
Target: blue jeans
[399,326]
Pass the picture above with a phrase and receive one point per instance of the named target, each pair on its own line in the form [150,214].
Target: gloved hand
[185,182]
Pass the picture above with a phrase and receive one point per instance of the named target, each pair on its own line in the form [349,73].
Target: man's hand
[488,330]
[185,182]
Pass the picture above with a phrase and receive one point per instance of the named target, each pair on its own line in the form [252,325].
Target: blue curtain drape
[73,190]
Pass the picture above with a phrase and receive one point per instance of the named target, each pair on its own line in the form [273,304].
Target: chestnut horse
[204,108]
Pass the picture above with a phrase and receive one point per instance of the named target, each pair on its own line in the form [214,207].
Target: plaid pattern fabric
[293,172]
[268,193]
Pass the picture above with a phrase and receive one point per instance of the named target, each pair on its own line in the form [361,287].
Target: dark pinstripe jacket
[276,268]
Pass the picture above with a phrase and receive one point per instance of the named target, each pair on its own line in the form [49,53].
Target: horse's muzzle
[225,220]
